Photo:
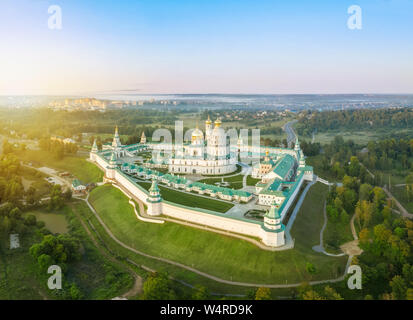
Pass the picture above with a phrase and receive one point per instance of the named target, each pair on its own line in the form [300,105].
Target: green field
[235,182]
[219,255]
[78,166]
[335,235]
[252,181]
[190,200]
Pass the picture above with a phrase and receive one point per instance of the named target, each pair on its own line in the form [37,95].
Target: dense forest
[311,121]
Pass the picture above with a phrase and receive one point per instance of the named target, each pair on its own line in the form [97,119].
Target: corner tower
[272,228]
[154,200]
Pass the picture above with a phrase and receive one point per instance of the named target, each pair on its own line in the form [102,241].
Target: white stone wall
[194,216]
[211,220]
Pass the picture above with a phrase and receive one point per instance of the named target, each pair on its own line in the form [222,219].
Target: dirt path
[320,247]
[404,212]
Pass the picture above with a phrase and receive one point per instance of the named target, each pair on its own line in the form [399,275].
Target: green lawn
[219,255]
[235,182]
[78,166]
[335,235]
[189,200]
[252,181]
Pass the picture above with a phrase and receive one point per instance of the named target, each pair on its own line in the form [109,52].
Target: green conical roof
[94,147]
[273,213]
[113,157]
[154,187]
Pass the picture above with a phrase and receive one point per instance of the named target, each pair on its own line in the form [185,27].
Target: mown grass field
[190,200]
[78,166]
[252,181]
[335,235]
[219,255]
[235,182]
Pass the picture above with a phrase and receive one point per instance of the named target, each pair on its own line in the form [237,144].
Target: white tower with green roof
[111,168]
[272,228]
[143,137]
[154,200]
[92,155]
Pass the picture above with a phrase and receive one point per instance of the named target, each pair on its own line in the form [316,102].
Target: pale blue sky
[206,47]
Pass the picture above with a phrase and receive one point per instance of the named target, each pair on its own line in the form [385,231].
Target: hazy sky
[206,46]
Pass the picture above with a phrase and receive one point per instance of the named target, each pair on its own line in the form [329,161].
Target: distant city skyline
[178,47]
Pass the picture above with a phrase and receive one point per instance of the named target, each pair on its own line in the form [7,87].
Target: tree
[56,198]
[30,220]
[365,192]
[75,292]
[409,294]
[364,236]
[44,261]
[399,288]
[332,294]
[201,293]
[310,268]
[312,295]
[263,293]
[157,287]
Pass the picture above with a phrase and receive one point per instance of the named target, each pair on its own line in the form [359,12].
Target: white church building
[209,155]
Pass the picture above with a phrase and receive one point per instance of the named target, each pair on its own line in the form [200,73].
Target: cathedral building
[208,155]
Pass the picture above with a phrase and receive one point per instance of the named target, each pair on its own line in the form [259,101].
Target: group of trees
[354,119]
[58,148]
[158,286]
[389,154]
[387,258]
[306,292]
[12,220]
[58,197]
[338,159]
[11,187]
[60,250]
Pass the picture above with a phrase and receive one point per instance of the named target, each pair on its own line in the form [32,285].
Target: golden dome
[208,121]
[197,134]
[218,123]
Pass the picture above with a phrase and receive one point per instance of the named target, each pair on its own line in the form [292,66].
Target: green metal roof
[76,183]
[273,213]
[284,165]
[154,187]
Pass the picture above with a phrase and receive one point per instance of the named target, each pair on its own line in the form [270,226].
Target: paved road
[291,136]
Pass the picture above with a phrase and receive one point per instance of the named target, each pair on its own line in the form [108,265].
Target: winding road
[291,136]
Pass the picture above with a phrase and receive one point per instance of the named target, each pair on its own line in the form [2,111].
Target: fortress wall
[187,214]
[101,161]
[211,220]
[292,198]
[133,188]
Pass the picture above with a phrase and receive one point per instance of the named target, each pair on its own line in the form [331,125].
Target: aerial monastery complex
[279,174]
